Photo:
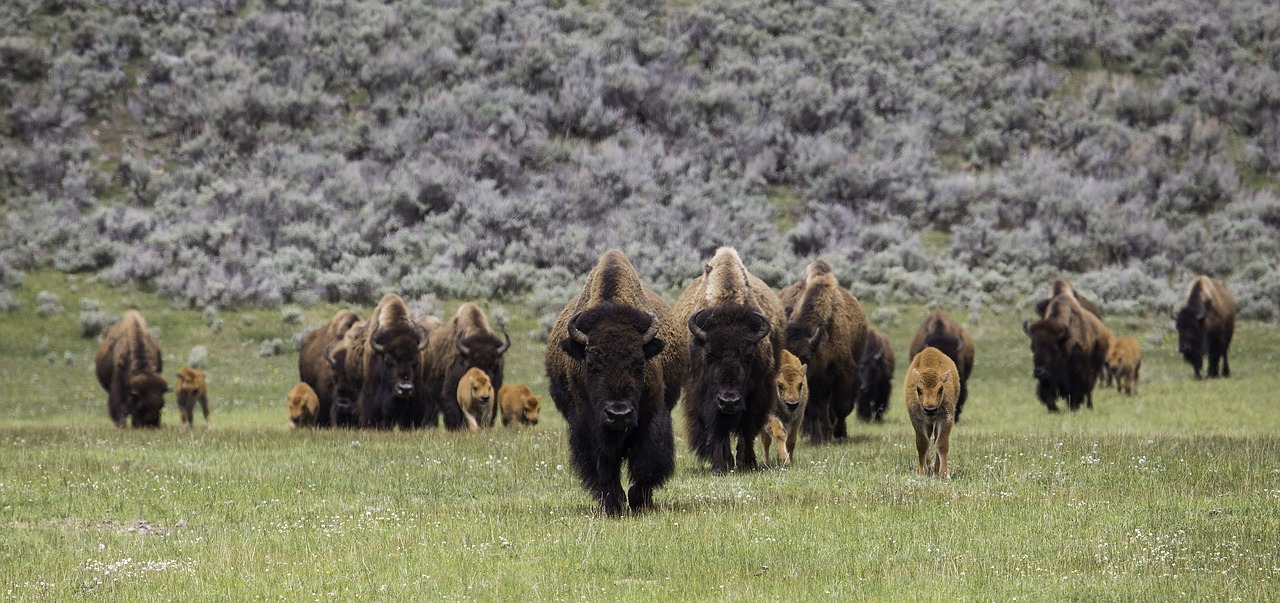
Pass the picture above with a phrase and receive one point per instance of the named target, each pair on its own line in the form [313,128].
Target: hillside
[239,152]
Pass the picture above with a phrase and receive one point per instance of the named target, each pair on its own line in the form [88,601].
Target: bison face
[483,351]
[869,371]
[929,390]
[802,341]
[724,348]
[1048,348]
[146,397]
[396,355]
[613,343]
[1191,336]
[345,389]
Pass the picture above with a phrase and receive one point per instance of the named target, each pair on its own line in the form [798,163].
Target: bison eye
[919,392]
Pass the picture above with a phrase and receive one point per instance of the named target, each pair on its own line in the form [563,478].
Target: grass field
[1169,495]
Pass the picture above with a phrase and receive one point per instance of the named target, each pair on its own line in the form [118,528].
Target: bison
[736,321]
[940,331]
[932,391]
[346,359]
[391,392]
[1206,322]
[314,368]
[519,405]
[475,398]
[615,361]
[828,333]
[302,406]
[783,426]
[875,377]
[1124,360]
[1067,352]
[129,367]
[463,342]
[192,389]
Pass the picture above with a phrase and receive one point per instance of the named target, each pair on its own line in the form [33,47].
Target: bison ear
[804,369]
[575,350]
[946,375]
[653,347]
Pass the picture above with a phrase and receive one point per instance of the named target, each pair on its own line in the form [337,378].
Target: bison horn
[457,343]
[765,327]
[577,335]
[377,347]
[1026,326]
[697,331]
[504,347]
[653,328]
[423,338]
[817,334]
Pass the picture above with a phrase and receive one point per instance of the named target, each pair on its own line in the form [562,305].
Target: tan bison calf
[192,388]
[931,390]
[783,425]
[1124,360]
[303,406]
[475,397]
[518,404]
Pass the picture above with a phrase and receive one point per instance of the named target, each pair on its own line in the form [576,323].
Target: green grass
[1168,495]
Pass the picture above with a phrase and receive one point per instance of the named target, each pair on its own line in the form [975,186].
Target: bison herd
[749,363]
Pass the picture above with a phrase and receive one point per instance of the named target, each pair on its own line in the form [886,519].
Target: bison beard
[723,397]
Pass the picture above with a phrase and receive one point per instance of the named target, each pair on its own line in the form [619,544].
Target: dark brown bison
[1064,287]
[461,343]
[1066,353]
[615,362]
[193,389]
[391,393]
[346,361]
[1206,322]
[129,367]
[827,332]
[736,321]
[314,368]
[952,339]
[875,377]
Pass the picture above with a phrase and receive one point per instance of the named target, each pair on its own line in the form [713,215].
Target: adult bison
[314,368]
[615,362]
[391,392]
[875,377]
[828,333]
[1066,351]
[346,360]
[461,343]
[129,367]
[951,338]
[1206,321]
[736,321]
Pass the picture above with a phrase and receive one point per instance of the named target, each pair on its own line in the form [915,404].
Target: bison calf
[475,398]
[519,405]
[303,406]
[931,390]
[784,422]
[192,389]
[1124,360]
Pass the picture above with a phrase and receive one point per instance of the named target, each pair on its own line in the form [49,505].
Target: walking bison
[932,391]
[391,392]
[783,425]
[1206,321]
[314,368]
[951,338]
[302,406]
[1066,351]
[1124,360]
[875,377]
[129,366]
[519,405]
[475,398]
[463,342]
[192,389]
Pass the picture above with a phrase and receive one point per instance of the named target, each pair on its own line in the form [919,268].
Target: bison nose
[729,402]
[931,410]
[484,398]
[404,389]
[792,405]
[533,421]
[1040,372]
[618,414]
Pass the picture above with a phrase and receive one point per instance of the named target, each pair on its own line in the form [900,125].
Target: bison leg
[652,461]
[773,433]
[944,449]
[843,395]
[922,448]
[204,408]
[817,415]
[1048,395]
[964,395]
[184,410]
[747,452]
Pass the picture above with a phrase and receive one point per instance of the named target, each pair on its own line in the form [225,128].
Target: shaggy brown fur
[314,369]
[783,425]
[615,360]
[345,357]
[464,341]
[519,405]
[302,406]
[828,333]
[1206,323]
[129,366]
[1066,353]
[1124,360]
[931,391]
[392,393]
[952,339]
[737,323]
[475,398]
[1064,287]
[875,377]
[192,389]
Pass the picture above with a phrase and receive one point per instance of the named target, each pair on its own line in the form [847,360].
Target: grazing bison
[783,426]
[827,332]
[1124,360]
[463,342]
[519,405]
[875,377]
[736,321]
[615,362]
[952,339]
[302,405]
[1066,351]
[314,368]
[475,398]
[192,389]
[129,367]
[1064,287]
[932,391]
[346,359]
[1206,322]
[391,392]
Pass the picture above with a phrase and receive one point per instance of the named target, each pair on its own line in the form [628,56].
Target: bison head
[724,350]
[346,388]
[483,351]
[146,398]
[929,393]
[1049,339]
[613,342]
[793,388]
[1192,341]
[803,341]
[396,355]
